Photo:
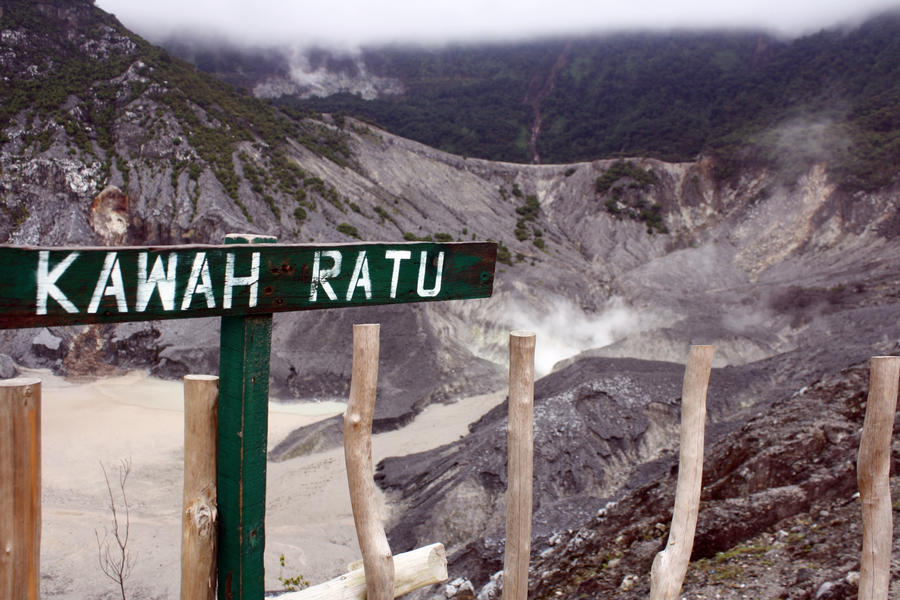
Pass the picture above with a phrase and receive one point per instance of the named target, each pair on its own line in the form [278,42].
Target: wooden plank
[377,559]
[244,350]
[68,286]
[414,569]
[20,488]
[520,465]
[199,519]
[873,476]
[670,565]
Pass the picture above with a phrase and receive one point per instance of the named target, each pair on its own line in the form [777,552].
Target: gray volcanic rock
[312,357]
[418,365]
[606,429]
[778,494]
[601,425]
[8,368]
[318,437]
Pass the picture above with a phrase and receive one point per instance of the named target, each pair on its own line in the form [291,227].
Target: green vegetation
[725,567]
[622,170]
[291,584]
[627,185]
[503,254]
[324,190]
[84,93]
[745,98]
[528,213]
[18,213]
[464,102]
[384,215]
[348,229]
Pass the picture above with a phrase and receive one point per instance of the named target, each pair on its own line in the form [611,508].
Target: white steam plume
[564,329]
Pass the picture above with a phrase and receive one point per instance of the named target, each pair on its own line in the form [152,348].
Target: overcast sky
[354,22]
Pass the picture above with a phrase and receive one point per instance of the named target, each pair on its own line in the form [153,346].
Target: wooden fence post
[198,516]
[244,352]
[873,475]
[670,565]
[520,465]
[414,569]
[20,488]
[378,562]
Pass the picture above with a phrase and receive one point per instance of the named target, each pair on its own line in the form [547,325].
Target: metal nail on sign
[66,286]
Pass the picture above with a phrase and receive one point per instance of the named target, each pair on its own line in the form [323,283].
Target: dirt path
[538,90]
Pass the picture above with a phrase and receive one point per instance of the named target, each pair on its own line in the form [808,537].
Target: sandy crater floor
[308,516]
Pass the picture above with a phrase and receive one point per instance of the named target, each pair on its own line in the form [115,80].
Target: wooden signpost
[71,286]
[244,282]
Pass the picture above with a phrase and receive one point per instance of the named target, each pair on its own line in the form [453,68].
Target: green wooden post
[243,431]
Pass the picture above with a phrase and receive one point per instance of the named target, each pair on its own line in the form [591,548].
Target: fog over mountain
[351,23]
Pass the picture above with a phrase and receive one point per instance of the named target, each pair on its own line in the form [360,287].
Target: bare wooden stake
[414,569]
[873,473]
[670,565]
[199,512]
[377,560]
[20,488]
[520,465]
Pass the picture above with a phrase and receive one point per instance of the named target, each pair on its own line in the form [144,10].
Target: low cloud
[353,23]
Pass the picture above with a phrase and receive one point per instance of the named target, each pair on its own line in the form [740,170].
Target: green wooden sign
[67,286]
[244,281]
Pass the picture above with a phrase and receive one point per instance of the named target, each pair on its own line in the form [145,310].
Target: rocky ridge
[779,516]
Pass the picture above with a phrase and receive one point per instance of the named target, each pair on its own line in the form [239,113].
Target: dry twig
[116,560]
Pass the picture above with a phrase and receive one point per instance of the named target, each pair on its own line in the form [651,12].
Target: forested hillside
[829,97]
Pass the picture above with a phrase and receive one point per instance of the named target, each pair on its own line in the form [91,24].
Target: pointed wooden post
[873,475]
[377,559]
[243,430]
[199,516]
[520,465]
[670,565]
[20,488]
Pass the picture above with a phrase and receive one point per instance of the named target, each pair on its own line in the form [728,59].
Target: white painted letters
[360,277]
[231,281]
[320,277]
[46,282]
[110,272]
[161,279]
[420,286]
[397,256]
[199,273]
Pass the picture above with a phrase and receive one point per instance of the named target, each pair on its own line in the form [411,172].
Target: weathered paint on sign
[244,350]
[65,286]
